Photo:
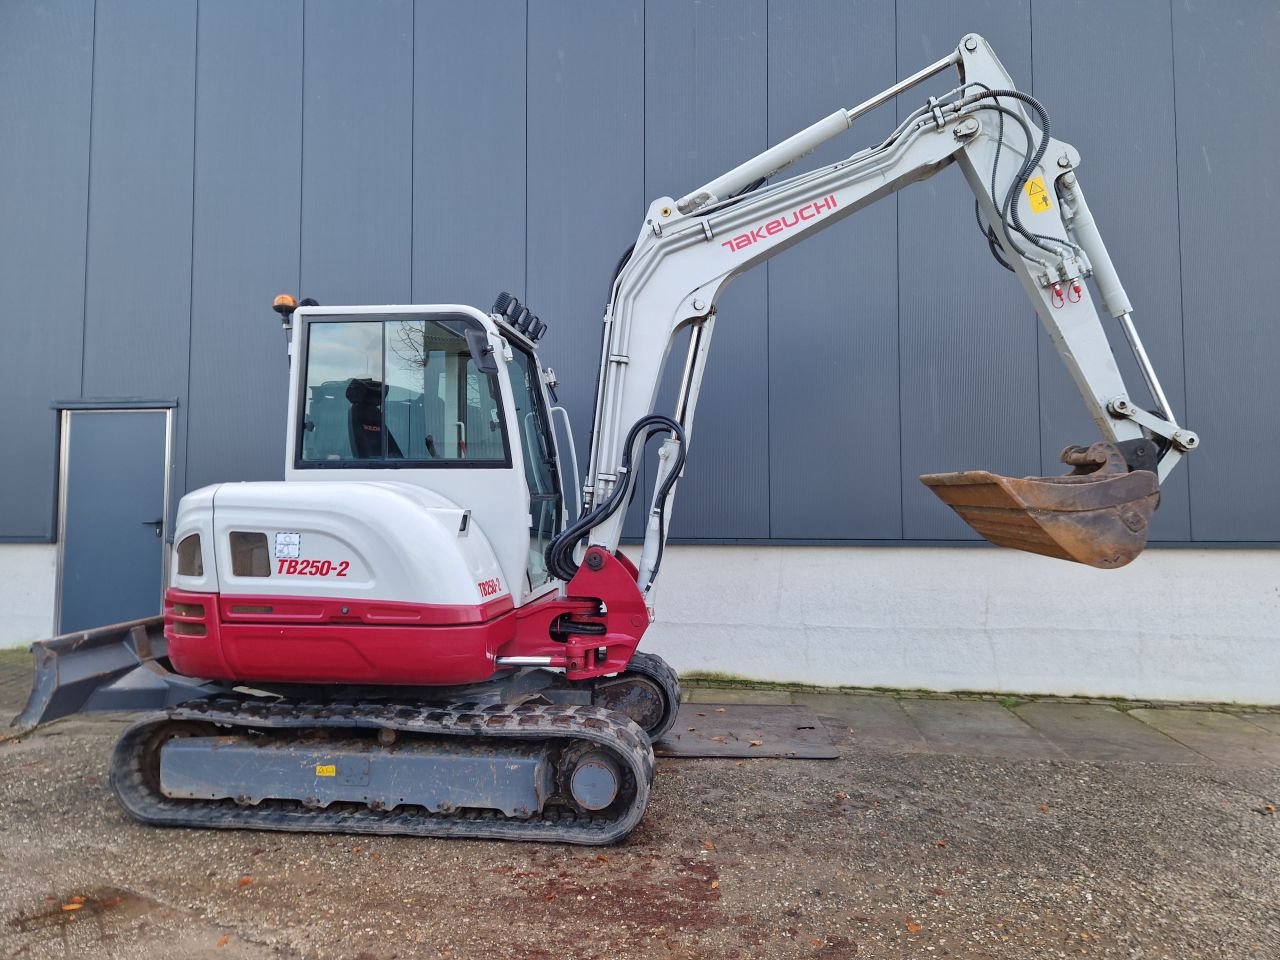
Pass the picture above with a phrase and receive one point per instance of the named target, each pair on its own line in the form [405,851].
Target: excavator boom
[1036,220]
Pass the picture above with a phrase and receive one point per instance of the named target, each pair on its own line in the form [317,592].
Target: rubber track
[625,741]
[655,668]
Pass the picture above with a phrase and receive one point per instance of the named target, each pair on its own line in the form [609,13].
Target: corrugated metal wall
[167,166]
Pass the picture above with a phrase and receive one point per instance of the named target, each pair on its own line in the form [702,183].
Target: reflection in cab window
[398,391]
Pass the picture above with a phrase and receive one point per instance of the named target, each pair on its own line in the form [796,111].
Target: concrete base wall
[28,578]
[1200,625]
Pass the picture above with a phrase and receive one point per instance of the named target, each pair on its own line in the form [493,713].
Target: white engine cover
[365,540]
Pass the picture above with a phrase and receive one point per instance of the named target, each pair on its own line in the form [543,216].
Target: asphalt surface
[947,828]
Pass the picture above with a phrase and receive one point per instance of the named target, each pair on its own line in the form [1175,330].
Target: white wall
[27,579]
[1175,624]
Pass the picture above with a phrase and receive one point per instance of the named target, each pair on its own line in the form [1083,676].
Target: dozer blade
[117,667]
[1098,518]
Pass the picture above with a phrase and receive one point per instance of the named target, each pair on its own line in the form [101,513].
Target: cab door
[541,470]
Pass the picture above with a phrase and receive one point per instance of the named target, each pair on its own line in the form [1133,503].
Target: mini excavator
[413,633]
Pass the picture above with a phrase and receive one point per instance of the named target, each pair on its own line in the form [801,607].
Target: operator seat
[365,421]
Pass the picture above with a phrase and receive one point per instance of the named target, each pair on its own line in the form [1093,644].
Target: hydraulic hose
[559,554]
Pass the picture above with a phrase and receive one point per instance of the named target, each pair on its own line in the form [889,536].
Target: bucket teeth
[1099,519]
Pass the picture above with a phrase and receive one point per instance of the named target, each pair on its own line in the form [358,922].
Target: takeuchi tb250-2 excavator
[415,632]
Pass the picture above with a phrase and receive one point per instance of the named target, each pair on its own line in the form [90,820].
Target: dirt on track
[872,855]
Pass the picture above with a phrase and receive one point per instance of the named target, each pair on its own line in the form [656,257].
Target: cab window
[398,391]
[533,427]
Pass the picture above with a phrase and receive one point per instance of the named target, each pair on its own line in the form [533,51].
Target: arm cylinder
[1114,299]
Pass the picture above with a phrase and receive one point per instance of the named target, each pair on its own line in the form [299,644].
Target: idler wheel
[591,779]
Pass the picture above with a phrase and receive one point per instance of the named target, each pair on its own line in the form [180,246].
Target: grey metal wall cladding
[45,62]
[468,151]
[833,343]
[702,119]
[205,156]
[585,163]
[1129,164]
[968,334]
[138,280]
[1226,74]
[248,171]
[357,151]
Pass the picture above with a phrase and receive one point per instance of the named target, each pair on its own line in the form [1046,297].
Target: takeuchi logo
[784,222]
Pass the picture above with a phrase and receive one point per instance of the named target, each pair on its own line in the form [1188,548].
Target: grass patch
[15,658]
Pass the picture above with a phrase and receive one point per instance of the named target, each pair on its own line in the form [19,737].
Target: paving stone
[748,730]
[1085,731]
[1222,737]
[876,724]
[731,695]
[1268,721]
[976,728]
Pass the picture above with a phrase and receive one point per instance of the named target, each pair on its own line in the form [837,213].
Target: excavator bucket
[1098,515]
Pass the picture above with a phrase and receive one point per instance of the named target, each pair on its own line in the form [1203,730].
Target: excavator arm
[1038,225]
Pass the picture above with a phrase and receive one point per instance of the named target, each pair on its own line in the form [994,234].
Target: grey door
[113,503]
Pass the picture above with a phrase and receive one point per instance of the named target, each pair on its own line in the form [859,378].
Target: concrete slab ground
[947,828]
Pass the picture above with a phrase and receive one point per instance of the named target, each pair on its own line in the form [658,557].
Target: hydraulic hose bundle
[559,555]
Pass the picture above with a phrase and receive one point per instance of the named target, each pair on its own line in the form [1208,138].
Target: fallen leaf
[715,884]
[816,943]
[691,729]
[719,709]
[78,900]
[942,843]
[913,927]
[375,855]
[259,851]
[842,796]
[602,857]
[755,743]
[224,940]
[719,739]
[708,845]
[1044,808]
[246,880]
[702,714]
[1269,807]
[356,849]
[72,906]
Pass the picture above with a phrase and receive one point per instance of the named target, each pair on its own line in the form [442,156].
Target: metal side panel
[1129,169]
[357,145]
[439,776]
[833,301]
[585,168]
[968,334]
[46,55]
[138,277]
[469,152]
[248,165]
[1226,73]
[699,121]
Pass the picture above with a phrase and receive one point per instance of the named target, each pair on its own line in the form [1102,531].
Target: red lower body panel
[335,640]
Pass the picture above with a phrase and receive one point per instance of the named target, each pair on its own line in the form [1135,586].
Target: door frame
[65,410]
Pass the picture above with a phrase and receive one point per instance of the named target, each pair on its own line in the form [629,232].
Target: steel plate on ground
[747,730]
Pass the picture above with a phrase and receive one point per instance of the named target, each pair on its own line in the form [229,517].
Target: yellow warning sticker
[1038,195]
[326,770]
